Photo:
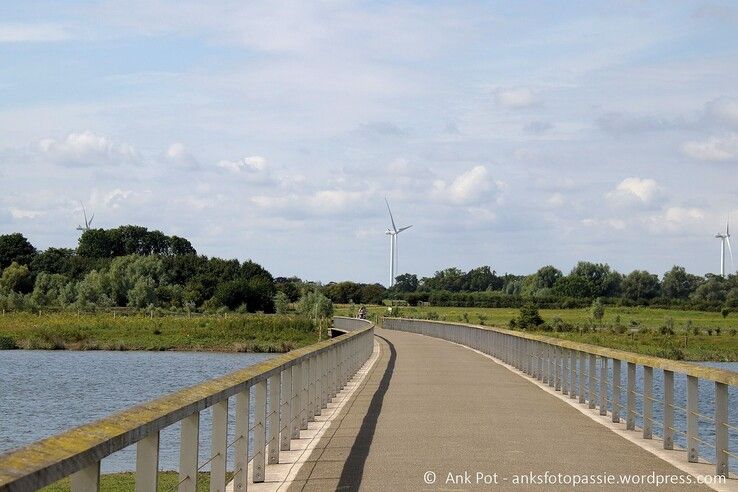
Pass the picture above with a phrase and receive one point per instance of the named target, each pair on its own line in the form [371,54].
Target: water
[706,407]
[43,393]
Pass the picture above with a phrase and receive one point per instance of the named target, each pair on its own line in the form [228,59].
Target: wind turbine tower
[88,223]
[725,239]
[392,233]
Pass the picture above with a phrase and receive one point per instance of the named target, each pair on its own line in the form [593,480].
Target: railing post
[564,371]
[188,452]
[582,393]
[616,368]
[647,402]
[304,396]
[692,422]
[318,381]
[630,419]
[241,447]
[311,390]
[592,374]
[603,385]
[668,409]
[87,479]
[285,432]
[295,404]
[322,401]
[333,357]
[557,367]
[721,429]
[147,463]
[551,366]
[274,426]
[541,366]
[572,374]
[259,461]
[219,447]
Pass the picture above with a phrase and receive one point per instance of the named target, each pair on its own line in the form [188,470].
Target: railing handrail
[61,455]
[681,367]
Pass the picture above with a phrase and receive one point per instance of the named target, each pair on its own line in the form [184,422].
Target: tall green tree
[678,284]
[639,284]
[15,248]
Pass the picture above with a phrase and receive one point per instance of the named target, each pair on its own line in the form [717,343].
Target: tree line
[128,266]
[550,287]
[134,267]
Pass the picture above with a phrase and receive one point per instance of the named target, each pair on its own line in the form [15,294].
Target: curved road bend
[429,405]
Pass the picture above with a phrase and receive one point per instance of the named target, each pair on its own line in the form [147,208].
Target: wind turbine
[392,233]
[725,239]
[88,223]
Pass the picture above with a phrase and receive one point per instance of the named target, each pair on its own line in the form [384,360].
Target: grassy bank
[126,481]
[235,333]
[688,335]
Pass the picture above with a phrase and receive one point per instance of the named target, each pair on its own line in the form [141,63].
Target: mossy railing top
[48,460]
[689,369]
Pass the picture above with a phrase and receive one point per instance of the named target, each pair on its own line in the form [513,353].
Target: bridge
[422,405]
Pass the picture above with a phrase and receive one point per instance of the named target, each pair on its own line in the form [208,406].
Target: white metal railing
[583,371]
[289,391]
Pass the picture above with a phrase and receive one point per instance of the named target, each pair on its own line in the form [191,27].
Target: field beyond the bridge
[217,333]
[672,334]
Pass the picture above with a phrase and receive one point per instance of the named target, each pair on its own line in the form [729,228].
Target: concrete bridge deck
[429,405]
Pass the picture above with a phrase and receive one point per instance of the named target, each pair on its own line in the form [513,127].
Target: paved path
[428,405]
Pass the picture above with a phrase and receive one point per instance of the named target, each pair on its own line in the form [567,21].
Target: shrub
[666,330]
[7,343]
[282,302]
[529,316]
[597,310]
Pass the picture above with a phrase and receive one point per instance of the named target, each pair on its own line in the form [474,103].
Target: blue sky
[514,134]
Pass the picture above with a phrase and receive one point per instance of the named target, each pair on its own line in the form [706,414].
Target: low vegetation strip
[231,333]
[126,481]
[671,334]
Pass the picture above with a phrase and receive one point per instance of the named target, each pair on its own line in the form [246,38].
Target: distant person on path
[362,313]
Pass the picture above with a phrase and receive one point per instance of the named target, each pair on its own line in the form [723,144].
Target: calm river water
[46,392]
[43,393]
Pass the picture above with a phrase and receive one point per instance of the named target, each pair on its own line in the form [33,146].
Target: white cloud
[635,191]
[472,186]
[680,215]
[716,149]
[724,109]
[88,149]
[111,199]
[32,33]
[336,199]
[179,157]
[556,200]
[18,213]
[515,97]
[251,164]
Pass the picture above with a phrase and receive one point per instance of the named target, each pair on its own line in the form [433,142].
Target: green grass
[641,328]
[126,481]
[234,333]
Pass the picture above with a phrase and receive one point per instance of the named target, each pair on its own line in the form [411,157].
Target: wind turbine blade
[403,229]
[394,227]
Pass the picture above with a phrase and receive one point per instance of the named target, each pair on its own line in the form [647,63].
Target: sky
[510,134]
